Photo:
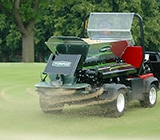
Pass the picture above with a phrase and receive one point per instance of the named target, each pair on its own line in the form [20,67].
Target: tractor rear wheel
[117,107]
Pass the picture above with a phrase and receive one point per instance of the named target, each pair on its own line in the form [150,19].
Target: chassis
[106,69]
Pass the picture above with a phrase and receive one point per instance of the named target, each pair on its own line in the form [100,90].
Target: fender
[148,81]
[110,90]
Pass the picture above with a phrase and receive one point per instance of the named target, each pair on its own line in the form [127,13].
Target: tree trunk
[28,47]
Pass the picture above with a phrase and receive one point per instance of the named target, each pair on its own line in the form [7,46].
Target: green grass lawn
[22,118]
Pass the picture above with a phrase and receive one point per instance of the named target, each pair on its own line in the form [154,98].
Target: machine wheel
[150,98]
[117,107]
[48,104]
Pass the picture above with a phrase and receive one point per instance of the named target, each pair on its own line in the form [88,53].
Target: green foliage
[151,18]
[10,39]
[4,26]
[26,11]
[7,6]
[66,18]
[13,38]
[2,22]
[44,28]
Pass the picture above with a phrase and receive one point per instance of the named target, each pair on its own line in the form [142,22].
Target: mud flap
[148,81]
[111,90]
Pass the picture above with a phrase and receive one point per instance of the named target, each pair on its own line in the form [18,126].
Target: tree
[44,28]
[4,28]
[23,14]
[149,10]
[38,20]
[10,40]
[151,18]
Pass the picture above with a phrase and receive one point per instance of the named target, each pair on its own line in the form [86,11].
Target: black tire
[150,98]
[48,104]
[117,107]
